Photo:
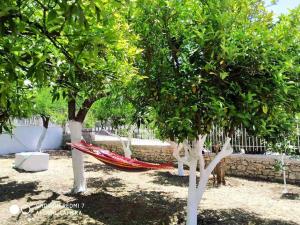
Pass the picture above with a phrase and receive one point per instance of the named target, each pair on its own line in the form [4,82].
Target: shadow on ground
[235,217]
[166,178]
[14,190]
[147,208]
[3,178]
[99,183]
[25,171]
[10,156]
[94,167]
[40,203]
[290,196]
[136,208]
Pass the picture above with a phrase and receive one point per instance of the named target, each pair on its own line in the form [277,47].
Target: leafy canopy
[55,110]
[78,48]
[216,62]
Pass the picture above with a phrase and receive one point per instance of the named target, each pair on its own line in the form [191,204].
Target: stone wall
[262,167]
[241,165]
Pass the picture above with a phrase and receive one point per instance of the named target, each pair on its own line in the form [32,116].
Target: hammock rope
[117,160]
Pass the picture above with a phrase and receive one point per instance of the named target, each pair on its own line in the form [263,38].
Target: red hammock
[116,160]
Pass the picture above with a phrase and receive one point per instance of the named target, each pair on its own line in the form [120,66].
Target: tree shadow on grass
[290,196]
[235,217]
[167,178]
[94,167]
[136,208]
[99,183]
[35,208]
[139,208]
[151,208]
[14,190]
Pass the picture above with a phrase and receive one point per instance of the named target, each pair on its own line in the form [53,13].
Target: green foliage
[15,100]
[43,105]
[278,166]
[79,48]
[223,62]
[115,108]
[279,129]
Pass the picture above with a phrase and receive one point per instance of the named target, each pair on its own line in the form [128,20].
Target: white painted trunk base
[41,139]
[194,156]
[127,153]
[126,146]
[192,202]
[285,190]
[192,211]
[180,168]
[77,158]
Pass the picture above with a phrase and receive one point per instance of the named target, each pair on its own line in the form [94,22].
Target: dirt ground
[141,198]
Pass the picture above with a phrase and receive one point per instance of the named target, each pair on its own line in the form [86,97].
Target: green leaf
[265,109]
[52,15]
[223,75]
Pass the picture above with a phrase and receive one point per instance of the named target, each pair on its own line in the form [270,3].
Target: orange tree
[77,48]
[214,62]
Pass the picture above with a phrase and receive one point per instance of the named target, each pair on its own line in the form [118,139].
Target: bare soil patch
[152,197]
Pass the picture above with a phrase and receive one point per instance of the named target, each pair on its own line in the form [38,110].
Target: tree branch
[226,151]
[86,105]
[54,41]
[45,119]
[45,8]
[71,106]
[177,155]
[200,144]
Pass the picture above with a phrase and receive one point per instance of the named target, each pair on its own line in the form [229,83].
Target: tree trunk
[195,192]
[180,160]
[41,140]
[77,158]
[180,168]
[127,150]
[285,190]
[43,134]
[127,153]
[192,203]
[75,124]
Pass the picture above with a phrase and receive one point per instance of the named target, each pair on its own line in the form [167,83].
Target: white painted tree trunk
[192,203]
[41,139]
[180,168]
[77,158]
[180,160]
[285,190]
[127,153]
[196,191]
[126,145]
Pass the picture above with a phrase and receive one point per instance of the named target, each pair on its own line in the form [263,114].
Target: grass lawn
[151,197]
